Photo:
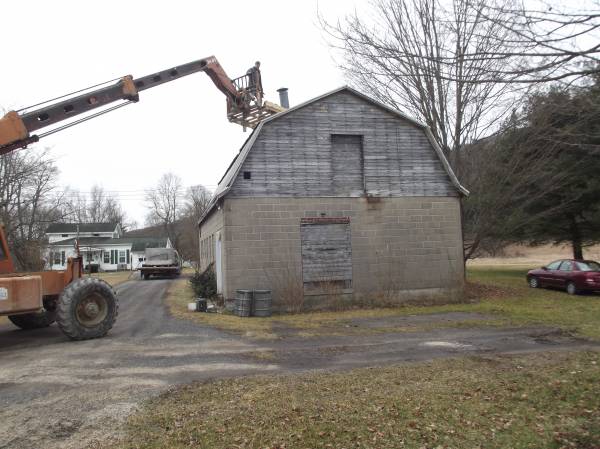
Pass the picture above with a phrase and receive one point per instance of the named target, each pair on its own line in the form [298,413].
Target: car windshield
[589,266]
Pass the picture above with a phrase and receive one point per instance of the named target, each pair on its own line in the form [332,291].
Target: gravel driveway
[55,393]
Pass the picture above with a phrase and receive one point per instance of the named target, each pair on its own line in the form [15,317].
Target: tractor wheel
[87,308]
[35,320]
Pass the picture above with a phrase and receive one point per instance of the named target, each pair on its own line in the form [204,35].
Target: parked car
[574,276]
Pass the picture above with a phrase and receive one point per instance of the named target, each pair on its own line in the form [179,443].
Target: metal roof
[235,166]
[61,228]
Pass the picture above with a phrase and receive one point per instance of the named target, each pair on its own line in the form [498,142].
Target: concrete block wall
[211,226]
[398,244]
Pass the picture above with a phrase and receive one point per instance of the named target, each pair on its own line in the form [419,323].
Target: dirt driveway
[60,394]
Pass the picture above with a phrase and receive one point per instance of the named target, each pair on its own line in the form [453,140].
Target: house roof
[226,181]
[137,243]
[61,228]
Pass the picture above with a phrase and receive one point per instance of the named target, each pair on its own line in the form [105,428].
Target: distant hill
[150,231]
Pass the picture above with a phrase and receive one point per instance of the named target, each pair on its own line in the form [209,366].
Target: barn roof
[235,166]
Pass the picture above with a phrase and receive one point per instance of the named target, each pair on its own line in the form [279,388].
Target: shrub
[205,284]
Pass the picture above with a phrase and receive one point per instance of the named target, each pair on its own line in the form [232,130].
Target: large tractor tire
[87,308]
[35,320]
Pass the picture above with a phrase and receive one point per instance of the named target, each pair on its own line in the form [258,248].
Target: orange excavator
[86,307]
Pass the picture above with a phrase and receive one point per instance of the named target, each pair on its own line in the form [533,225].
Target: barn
[338,197]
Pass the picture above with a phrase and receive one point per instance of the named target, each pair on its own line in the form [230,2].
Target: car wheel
[571,288]
[533,282]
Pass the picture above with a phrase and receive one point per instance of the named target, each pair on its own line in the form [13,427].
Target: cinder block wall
[212,225]
[399,244]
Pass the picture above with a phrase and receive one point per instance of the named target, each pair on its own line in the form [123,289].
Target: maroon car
[572,275]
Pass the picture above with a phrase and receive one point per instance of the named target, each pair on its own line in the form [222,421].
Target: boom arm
[242,103]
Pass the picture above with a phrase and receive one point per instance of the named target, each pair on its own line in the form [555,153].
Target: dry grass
[181,293]
[536,401]
[308,324]
[500,293]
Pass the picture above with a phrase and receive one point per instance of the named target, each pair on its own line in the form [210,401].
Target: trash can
[243,302]
[262,303]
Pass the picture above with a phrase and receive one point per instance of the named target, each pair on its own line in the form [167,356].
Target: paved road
[59,393]
[55,393]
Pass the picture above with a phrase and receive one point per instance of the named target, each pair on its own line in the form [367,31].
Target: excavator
[87,307]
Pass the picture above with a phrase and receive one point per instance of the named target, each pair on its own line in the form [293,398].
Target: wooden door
[326,254]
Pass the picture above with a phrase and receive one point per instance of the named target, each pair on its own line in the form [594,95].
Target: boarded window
[347,164]
[326,254]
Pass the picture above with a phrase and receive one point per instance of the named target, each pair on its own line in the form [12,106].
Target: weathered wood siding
[326,255]
[296,155]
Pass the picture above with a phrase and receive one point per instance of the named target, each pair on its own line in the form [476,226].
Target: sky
[56,47]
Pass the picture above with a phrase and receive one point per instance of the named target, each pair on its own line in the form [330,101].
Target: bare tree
[97,207]
[544,41]
[412,55]
[28,203]
[165,205]
[197,199]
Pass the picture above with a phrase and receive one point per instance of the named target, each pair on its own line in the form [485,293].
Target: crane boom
[244,101]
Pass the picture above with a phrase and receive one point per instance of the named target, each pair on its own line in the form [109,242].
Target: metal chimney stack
[283,97]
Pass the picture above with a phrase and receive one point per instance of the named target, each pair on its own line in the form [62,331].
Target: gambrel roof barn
[341,196]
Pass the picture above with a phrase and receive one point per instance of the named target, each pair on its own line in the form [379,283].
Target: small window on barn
[247,175]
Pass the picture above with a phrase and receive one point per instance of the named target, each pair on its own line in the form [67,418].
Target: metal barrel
[243,302]
[262,304]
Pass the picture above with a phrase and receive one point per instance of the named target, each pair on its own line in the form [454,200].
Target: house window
[106,257]
[247,175]
[64,235]
[95,234]
[122,258]
[56,258]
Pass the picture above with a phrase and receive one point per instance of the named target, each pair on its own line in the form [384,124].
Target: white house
[101,244]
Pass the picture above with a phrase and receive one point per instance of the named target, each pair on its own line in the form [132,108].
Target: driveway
[55,393]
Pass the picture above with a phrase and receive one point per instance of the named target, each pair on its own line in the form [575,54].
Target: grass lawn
[548,400]
[500,292]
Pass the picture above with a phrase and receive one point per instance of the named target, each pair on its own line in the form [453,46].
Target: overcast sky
[55,47]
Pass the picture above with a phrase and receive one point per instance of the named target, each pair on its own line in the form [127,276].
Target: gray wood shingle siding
[296,155]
